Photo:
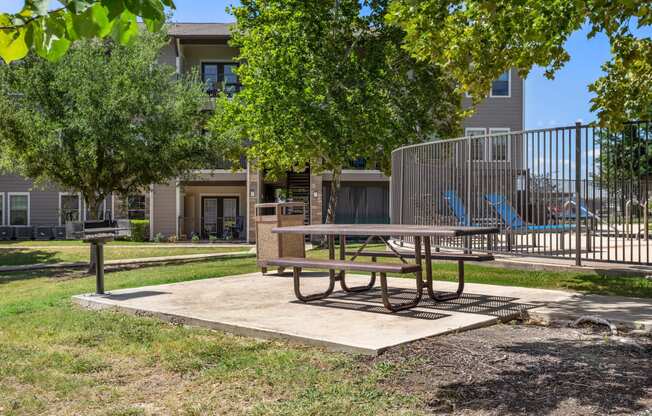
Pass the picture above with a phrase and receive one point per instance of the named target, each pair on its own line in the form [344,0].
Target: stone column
[253,197]
[316,202]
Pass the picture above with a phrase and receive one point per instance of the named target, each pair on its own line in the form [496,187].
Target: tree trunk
[332,198]
[332,201]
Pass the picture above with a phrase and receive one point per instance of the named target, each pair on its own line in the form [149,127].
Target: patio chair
[238,230]
[457,206]
[514,224]
[459,210]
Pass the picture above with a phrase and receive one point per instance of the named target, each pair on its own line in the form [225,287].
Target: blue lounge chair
[457,206]
[459,210]
[514,224]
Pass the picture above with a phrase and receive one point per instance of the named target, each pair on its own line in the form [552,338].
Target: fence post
[469,204]
[400,200]
[578,190]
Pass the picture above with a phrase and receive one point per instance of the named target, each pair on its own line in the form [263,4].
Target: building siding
[43,200]
[495,112]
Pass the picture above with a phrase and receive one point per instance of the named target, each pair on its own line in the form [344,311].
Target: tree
[50,33]
[477,40]
[626,155]
[106,118]
[325,84]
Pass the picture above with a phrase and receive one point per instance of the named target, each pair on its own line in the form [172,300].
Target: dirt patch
[526,370]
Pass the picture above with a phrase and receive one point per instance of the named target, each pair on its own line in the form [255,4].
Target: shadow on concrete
[497,306]
[363,307]
[135,295]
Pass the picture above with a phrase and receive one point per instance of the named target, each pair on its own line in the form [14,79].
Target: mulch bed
[526,370]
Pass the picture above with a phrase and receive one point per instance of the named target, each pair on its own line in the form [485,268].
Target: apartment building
[218,202]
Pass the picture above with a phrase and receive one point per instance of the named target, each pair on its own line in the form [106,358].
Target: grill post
[99,267]
[578,190]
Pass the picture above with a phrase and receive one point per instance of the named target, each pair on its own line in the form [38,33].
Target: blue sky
[559,102]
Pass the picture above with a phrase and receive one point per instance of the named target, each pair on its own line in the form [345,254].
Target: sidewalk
[143,245]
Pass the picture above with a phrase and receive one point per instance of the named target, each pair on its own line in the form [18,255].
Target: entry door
[219,215]
[209,217]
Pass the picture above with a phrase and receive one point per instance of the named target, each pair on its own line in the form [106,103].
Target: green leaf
[49,37]
[13,45]
[147,9]
[35,7]
[153,25]
[115,7]
[92,22]
[125,28]
[79,6]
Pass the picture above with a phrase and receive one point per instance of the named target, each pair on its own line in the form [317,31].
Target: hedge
[139,230]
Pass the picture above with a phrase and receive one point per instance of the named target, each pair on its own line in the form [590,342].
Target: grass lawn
[17,254]
[56,358]
[576,281]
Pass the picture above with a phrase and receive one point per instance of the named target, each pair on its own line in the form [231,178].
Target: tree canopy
[324,84]
[106,118]
[50,32]
[477,40]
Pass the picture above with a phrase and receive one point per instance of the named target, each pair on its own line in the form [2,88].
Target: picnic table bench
[337,268]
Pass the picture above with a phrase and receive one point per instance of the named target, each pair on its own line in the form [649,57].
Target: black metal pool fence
[579,192]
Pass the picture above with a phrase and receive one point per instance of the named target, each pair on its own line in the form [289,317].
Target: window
[136,207]
[69,208]
[19,208]
[2,209]
[220,77]
[499,145]
[500,87]
[477,145]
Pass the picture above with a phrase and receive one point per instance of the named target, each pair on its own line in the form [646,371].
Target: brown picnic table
[422,255]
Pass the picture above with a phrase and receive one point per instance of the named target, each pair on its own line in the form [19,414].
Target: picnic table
[422,254]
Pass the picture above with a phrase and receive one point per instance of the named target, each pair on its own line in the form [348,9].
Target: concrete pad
[265,307]
[630,313]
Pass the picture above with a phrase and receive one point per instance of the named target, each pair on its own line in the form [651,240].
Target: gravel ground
[517,369]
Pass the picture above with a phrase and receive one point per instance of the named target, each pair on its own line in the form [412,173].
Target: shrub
[139,230]
[212,238]
[159,238]
[195,238]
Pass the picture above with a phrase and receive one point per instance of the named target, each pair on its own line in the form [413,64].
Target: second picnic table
[421,234]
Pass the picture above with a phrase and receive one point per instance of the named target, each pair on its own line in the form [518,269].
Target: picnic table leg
[296,274]
[395,307]
[429,285]
[342,276]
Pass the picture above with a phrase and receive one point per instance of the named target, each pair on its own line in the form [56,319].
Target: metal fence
[578,192]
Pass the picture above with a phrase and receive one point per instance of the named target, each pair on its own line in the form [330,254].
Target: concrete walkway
[5,246]
[265,307]
[186,258]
